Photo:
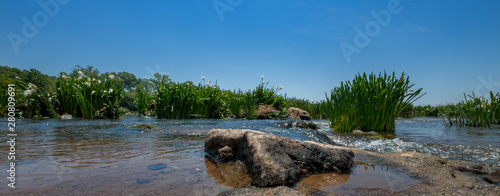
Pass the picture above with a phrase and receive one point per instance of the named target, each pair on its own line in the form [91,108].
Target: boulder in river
[298,124]
[273,160]
[298,114]
[363,133]
[266,112]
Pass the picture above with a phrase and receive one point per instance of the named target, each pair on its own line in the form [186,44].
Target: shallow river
[103,157]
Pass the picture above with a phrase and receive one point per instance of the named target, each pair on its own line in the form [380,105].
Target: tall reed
[473,111]
[87,97]
[175,100]
[143,99]
[370,103]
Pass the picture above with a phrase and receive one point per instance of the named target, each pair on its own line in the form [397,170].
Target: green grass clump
[143,100]
[87,97]
[175,100]
[186,100]
[370,103]
[473,111]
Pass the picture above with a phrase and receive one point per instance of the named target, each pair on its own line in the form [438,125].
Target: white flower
[92,93]
[99,81]
[93,79]
[80,73]
[27,92]
[281,87]
[64,77]
[262,76]
[111,76]
[263,82]
[105,91]
[87,83]
[208,83]
[79,77]
[110,90]
[202,77]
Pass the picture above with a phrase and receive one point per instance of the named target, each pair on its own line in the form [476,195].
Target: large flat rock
[273,160]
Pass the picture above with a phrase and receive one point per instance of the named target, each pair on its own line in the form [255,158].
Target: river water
[90,157]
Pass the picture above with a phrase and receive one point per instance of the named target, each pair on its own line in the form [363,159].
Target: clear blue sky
[447,47]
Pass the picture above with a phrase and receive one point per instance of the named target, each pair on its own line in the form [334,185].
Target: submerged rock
[362,133]
[298,124]
[66,117]
[143,126]
[298,114]
[273,160]
[281,190]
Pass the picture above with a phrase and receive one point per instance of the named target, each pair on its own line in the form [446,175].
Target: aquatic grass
[211,101]
[34,102]
[175,100]
[87,97]
[370,102]
[143,99]
[235,99]
[268,95]
[249,105]
[473,111]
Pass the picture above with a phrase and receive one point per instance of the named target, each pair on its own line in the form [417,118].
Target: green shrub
[370,103]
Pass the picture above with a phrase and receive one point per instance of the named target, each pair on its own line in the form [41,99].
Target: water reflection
[370,176]
[228,174]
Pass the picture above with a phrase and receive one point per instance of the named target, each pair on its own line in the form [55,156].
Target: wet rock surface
[298,124]
[298,114]
[438,176]
[273,160]
[364,133]
[266,112]
[435,175]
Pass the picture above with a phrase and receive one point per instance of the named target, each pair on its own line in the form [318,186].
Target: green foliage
[236,101]
[143,100]
[370,103]
[212,102]
[84,96]
[249,106]
[425,110]
[473,111]
[23,79]
[268,95]
[175,100]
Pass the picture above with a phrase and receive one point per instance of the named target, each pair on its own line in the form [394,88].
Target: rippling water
[79,154]
[431,136]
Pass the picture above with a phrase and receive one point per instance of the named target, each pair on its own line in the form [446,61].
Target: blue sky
[446,47]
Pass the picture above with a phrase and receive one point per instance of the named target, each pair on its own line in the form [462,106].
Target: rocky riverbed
[429,174]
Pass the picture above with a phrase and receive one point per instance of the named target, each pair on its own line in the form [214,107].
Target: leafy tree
[129,80]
